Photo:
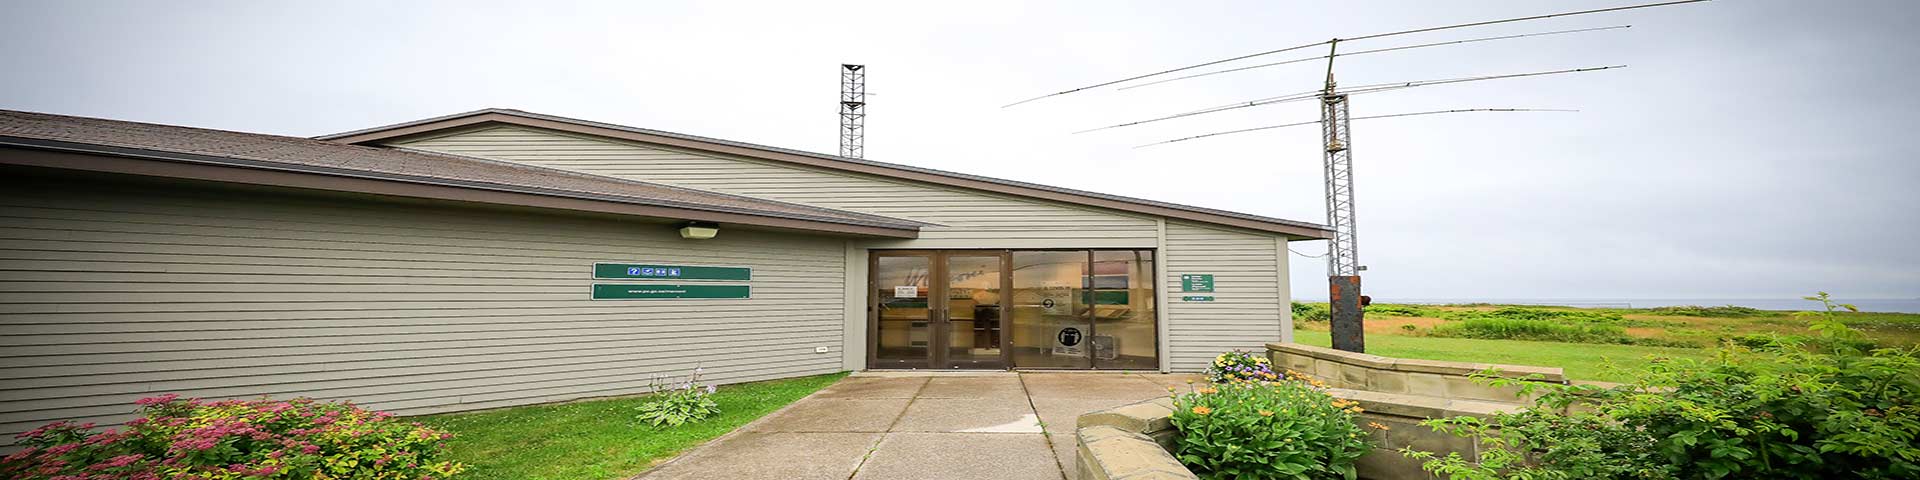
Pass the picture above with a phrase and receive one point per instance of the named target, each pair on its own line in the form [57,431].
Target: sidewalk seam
[1044,434]
[883,435]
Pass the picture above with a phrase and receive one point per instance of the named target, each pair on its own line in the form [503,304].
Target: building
[500,257]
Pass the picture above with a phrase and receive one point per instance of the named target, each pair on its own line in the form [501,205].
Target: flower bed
[234,439]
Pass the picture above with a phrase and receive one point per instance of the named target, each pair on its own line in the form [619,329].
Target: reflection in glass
[973,306]
[1123,310]
[1050,328]
[900,287]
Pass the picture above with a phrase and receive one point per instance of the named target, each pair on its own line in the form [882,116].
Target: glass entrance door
[938,309]
[974,309]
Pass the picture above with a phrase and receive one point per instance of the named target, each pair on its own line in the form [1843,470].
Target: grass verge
[599,439]
[1580,360]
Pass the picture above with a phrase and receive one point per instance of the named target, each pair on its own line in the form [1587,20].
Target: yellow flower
[1202,410]
[1209,390]
[1378,426]
[1266,413]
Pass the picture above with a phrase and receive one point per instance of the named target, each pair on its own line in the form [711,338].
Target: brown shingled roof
[70,133]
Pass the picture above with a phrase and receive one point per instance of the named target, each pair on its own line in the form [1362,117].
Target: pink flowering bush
[233,440]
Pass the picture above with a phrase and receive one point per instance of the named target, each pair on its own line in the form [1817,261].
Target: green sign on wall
[1196,282]
[670,272]
[1197,298]
[630,291]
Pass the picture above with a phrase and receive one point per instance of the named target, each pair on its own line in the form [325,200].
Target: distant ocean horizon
[1896,305]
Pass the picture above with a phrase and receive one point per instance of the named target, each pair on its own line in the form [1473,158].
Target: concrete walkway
[885,425]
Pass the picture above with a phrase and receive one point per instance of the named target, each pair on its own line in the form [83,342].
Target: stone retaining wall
[1431,378]
[1131,442]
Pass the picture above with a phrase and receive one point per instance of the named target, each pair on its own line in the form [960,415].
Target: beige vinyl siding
[962,215]
[1250,293]
[110,293]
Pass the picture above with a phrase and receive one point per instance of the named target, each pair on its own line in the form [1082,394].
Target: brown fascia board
[86,157]
[1293,230]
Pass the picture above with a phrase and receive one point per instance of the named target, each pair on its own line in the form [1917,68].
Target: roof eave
[156,163]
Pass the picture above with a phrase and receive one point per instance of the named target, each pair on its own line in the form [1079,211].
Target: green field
[598,439]
[1591,344]
[1581,361]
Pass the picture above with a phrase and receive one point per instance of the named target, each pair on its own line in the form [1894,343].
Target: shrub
[1537,314]
[234,439]
[1259,430]
[1240,366]
[676,405]
[1395,310]
[1504,329]
[1513,323]
[1788,412]
[1728,311]
[1311,312]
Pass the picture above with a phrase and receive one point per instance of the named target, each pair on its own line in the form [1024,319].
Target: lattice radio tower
[853,110]
[1343,251]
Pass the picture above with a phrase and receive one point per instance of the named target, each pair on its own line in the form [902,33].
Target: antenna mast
[1343,257]
[853,110]
[1343,261]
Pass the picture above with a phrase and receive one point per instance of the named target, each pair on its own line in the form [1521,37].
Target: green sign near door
[670,272]
[634,291]
[1196,282]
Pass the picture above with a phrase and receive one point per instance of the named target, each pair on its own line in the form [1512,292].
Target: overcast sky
[1751,149]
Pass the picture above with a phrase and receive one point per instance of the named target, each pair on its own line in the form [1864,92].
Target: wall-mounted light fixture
[699,230]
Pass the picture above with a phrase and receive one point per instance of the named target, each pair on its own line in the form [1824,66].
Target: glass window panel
[1050,327]
[900,286]
[1124,313]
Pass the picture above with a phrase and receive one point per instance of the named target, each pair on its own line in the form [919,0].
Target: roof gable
[431,126]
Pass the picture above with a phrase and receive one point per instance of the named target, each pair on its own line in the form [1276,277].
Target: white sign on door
[906,291]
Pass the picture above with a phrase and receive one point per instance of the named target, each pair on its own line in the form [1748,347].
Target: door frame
[939,314]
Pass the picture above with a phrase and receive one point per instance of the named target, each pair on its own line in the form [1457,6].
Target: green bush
[1397,310]
[1572,326]
[1310,312]
[1728,311]
[1289,429]
[676,405]
[1496,328]
[1785,412]
[1538,314]
[235,439]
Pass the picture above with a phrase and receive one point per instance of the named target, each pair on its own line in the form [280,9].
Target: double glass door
[939,309]
[998,309]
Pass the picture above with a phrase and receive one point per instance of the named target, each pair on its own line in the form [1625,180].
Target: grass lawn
[1581,361]
[599,439]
